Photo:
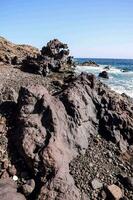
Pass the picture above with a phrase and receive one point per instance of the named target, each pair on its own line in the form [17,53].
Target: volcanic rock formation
[14,54]
[43,132]
[52,130]
[54,56]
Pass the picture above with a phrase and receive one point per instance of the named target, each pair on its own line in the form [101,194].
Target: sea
[120,73]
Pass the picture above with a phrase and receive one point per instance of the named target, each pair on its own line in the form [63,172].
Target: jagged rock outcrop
[44,134]
[55,49]
[52,130]
[14,54]
[54,56]
[49,141]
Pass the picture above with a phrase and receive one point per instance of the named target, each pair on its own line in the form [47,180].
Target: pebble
[114,192]
[91,165]
[28,187]
[15,178]
[5,164]
[96,184]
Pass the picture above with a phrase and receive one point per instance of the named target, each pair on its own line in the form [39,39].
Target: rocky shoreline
[62,136]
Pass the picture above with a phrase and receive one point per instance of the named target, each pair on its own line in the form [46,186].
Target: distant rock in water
[89,63]
[107,67]
[125,70]
[104,74]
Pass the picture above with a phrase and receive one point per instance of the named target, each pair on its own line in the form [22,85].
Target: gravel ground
[102,161]
[13,77]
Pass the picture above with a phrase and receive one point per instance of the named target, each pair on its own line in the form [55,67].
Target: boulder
[104,74]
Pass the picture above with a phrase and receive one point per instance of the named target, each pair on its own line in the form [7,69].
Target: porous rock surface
[53,142]
[49,138]
[53,57]
[52,130]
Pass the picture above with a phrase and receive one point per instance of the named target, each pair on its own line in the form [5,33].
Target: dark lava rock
[104,74]
[55,49]
[37,65]
[53,57]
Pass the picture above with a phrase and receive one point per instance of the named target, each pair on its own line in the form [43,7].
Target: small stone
[96,184]
[5,164]
[28,187]
[123,145]
[90,164]
[15,178]
[103,194]
[110,154]
[114,192]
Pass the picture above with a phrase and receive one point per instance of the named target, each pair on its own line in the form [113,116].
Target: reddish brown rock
[52,130]
[8,190]
[14,54]
[114,192]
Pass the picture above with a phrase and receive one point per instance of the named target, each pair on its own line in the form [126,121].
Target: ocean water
[121,82]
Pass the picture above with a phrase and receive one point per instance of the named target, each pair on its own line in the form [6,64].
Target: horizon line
[103,58]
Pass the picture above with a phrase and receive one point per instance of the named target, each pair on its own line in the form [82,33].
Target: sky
[91,28]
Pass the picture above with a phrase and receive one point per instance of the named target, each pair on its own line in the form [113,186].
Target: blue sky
[92,28]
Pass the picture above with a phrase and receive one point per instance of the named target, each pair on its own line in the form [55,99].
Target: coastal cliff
[62,135]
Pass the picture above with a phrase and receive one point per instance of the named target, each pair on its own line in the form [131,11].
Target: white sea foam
[121,82]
